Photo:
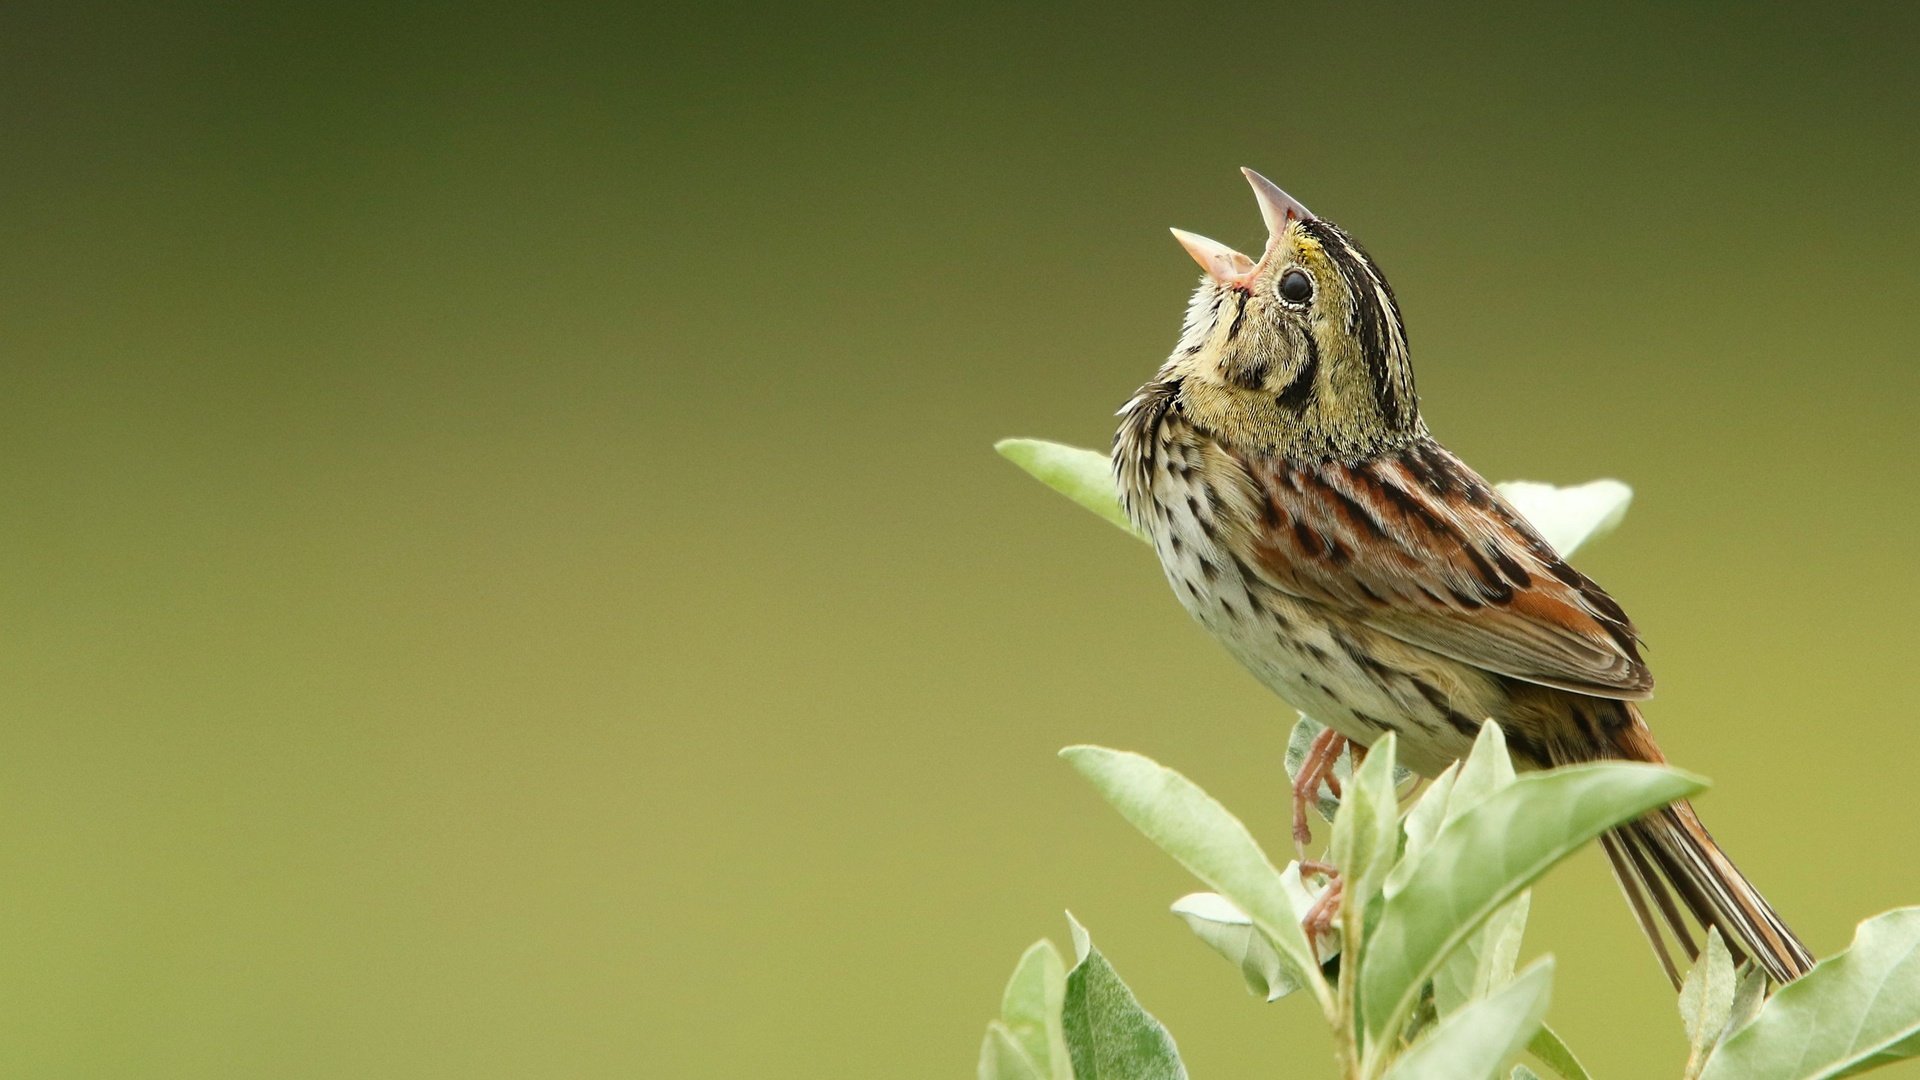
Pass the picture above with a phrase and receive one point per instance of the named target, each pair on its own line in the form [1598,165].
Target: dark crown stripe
[1374,322]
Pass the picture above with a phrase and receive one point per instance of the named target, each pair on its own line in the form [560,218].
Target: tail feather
[1636,883]
[1667,860]
[1680,851]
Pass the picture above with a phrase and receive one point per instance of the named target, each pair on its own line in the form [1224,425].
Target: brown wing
[1417,545]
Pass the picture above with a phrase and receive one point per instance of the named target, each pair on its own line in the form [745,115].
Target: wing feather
[1417,545]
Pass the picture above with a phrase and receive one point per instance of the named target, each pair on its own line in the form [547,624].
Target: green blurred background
[506,576]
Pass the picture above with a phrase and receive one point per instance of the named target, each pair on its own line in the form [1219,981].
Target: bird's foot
[1319,919]
[1316,770]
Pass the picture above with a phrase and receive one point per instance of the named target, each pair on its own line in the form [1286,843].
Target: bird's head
[1301,352]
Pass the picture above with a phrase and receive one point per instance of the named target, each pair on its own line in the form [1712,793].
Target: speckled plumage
[1304,514]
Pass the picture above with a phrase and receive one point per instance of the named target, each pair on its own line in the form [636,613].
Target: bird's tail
[1671,869]
[1669,853]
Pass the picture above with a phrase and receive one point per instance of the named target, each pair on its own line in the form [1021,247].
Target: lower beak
[1222,263]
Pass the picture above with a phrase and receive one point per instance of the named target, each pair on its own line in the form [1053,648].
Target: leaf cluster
[1419,976]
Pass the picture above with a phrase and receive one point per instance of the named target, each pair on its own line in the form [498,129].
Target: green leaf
[1485,961]
[1202,836]
[1366,834]
[1475,1042]
[1421,824]
[1463,786]
[1003,1058]
[1900,1051]
[1030,1009]
[1482,859]
[1550,1050]
[1231,933]
[1706,1001]
[1853,1012]
[1085,476]
[1108,1035]
[1748,997]
[1521,1072]
[1570,516]
[1488,768]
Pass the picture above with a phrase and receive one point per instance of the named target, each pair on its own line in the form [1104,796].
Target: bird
[1305,515]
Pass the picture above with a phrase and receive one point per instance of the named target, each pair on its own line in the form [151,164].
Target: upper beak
[1229,267]
[1276,206]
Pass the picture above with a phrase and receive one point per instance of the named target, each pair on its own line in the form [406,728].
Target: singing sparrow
[1305,516]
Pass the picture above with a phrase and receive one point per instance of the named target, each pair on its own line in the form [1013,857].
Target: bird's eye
[1296,287]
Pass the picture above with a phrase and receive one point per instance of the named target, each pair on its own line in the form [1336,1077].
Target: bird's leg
[1318,921]
[1317,769]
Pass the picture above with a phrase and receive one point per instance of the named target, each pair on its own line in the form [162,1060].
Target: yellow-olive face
[1303,349]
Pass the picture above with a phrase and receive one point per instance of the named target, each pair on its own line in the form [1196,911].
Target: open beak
[1222,263]
[1229,267]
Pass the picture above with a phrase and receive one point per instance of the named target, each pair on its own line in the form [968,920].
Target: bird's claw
[1316,770]
[1319,919]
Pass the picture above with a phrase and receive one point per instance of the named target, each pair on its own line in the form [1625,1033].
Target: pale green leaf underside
[1211,843]
[1483,1035]
[1482,859]
[1085,476]
[1859,1009]
[1367,831]
[1459,788]
[1230,932]
[1570,516]
[1003,1058]
[1030,1009]
[1484,959]
[1422,823]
